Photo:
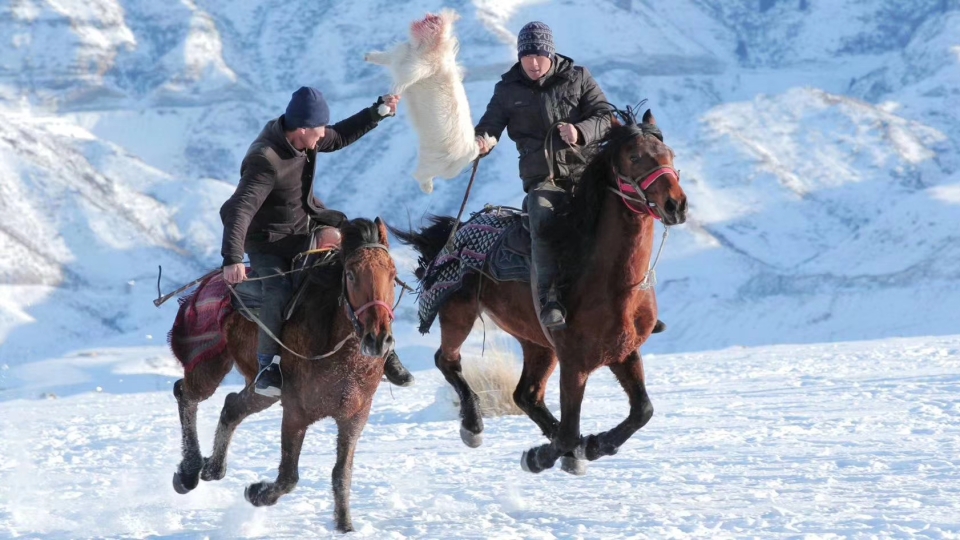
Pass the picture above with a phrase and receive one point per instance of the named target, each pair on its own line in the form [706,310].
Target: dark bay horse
[340,386]
[605,243]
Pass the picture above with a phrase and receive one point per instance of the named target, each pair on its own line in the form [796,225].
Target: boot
[552,314]
[659,327]
[395,372]
[269,380]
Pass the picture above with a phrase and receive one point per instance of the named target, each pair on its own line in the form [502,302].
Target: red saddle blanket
[197,333]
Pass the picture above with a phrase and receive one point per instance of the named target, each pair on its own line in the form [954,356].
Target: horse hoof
[254,494]
[574,466]
[185,483]
[527,463]
[473,440]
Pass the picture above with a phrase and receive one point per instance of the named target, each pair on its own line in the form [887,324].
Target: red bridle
[354,314]
[375,303]
[634,194]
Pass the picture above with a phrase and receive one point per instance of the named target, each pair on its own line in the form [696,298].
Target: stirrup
[271,388]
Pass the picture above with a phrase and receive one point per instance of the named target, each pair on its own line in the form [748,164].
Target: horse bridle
[633,191]
[354,314]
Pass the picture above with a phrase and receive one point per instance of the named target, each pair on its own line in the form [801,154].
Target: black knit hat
[535,38]
[307,109]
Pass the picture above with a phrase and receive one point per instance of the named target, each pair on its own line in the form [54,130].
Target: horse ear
[382,228]
[614,121]
[648,118]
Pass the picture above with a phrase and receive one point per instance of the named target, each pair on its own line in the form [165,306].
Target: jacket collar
[277,137]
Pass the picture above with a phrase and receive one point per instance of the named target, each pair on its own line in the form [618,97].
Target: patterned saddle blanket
[197,333]
[493,242]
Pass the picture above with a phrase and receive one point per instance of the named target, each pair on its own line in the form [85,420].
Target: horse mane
[321,298]
[572,235]
[356,233]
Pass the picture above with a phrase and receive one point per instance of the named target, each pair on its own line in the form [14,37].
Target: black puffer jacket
[528,108]
[274,199]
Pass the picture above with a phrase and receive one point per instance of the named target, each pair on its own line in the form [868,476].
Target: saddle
[494,242]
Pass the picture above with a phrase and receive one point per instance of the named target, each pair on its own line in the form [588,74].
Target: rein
[352,315]
[650,278]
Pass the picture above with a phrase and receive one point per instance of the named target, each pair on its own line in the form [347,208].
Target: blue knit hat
[307,109]
[535,38]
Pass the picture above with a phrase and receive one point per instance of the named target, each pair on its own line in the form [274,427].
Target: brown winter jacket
[274,199]
[528,108]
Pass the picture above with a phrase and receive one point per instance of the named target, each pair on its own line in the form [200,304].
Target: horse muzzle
[377,346]
[674,212]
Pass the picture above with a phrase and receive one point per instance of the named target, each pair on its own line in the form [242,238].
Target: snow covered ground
[858,439]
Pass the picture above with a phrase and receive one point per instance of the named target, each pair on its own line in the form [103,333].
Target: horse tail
[428,241]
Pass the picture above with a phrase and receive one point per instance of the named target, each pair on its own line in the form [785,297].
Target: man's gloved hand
[485,144]
[386,106]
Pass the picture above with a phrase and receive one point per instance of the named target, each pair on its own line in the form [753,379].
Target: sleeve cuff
[582,129]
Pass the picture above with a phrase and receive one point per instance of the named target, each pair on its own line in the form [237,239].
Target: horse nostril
[671,206]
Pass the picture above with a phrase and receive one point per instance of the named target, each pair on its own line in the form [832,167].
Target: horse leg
[348,432]
[456,321]
[573,382]
[194,387]
[631,377]
[538,364]
[292,431]
[236,407]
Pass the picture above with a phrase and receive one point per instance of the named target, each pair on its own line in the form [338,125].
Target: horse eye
[350,277]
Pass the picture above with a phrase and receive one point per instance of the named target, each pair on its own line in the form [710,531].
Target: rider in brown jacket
[270,214]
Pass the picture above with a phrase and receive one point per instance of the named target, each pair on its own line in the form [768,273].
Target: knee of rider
[277,285]
[540,220]
[539,207]
[328,237]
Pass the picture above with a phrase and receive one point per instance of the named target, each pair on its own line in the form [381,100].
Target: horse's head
[644,171]
[369,274]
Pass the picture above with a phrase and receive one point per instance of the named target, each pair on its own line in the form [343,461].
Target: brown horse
[340,386]
[606,242]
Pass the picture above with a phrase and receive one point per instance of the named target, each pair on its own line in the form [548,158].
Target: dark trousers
[276,293]
[543,202]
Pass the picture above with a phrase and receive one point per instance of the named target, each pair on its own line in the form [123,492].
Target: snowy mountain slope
[817,142]
[84,221]
[855,440]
